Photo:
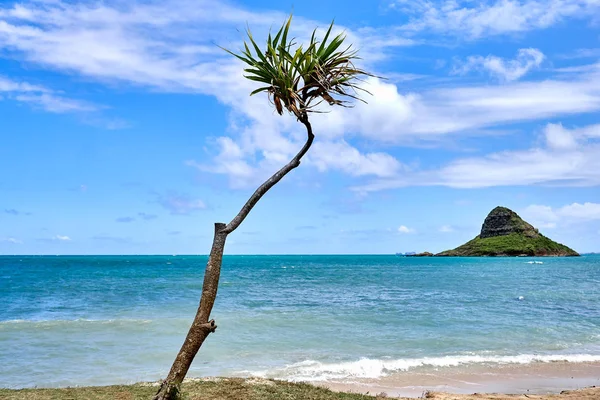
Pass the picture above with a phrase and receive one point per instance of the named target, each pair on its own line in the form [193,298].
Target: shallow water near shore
[95,320]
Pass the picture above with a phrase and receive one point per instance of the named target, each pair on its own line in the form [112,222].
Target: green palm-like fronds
[298,78]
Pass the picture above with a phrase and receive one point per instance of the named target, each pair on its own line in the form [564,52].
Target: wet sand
[531,379]
[582,394]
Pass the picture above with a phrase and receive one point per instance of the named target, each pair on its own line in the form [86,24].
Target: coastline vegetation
[514,244]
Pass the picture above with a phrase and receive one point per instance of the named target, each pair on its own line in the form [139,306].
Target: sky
[126,129]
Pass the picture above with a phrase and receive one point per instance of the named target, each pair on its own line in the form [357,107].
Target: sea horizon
[276,254]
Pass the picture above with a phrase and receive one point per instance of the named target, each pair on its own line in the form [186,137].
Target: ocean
[96,320]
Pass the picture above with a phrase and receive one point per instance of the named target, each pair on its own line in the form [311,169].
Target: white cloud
[11,240]
[505,70]
[232,161]
[447,229]
[261,147]
[169,46]
[405,229]
[62,238]
[561,162]
[229,149]
[340,155]
[124,44]
[55,104]
[581,211]
[547,217]
[39,96]
[7,85]
[476,19]
[397,118]
[541,212]
[541,216]
[579,69]
[581,53]
[558,137]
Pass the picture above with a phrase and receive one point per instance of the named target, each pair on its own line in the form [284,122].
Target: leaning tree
[297,79]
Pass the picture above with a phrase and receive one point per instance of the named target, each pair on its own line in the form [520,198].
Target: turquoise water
[120,319]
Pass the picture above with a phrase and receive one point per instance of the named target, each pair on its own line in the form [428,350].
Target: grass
[514,244]
[217,389]
[252,389]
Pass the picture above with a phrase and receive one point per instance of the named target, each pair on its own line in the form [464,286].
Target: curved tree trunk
[202,327]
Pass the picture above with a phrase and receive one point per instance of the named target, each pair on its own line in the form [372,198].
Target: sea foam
[311,370]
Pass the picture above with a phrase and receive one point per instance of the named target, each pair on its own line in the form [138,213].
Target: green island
[504,233]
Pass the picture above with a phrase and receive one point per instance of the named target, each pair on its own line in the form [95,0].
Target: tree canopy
[297,77]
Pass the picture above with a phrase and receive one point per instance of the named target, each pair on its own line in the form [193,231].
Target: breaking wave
[311,370]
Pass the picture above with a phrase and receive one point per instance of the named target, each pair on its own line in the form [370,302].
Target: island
[504,233]
[424,254]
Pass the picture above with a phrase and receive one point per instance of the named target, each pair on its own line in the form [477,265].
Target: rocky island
[424,254]
[504,233]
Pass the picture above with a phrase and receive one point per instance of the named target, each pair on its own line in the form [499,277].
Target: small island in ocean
[504,233]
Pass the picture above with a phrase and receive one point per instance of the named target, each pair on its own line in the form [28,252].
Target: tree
[297,80]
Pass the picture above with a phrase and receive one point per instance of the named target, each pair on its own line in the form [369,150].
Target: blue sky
[126,130]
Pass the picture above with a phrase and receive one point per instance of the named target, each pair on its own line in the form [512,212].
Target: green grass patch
[218,389]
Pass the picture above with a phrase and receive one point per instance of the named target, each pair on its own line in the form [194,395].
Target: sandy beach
[583,394]
[540,379]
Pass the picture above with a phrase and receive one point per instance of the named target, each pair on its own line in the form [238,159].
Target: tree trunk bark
[202,327]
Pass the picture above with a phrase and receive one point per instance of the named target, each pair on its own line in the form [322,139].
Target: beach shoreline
[517,379]
[539,380]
